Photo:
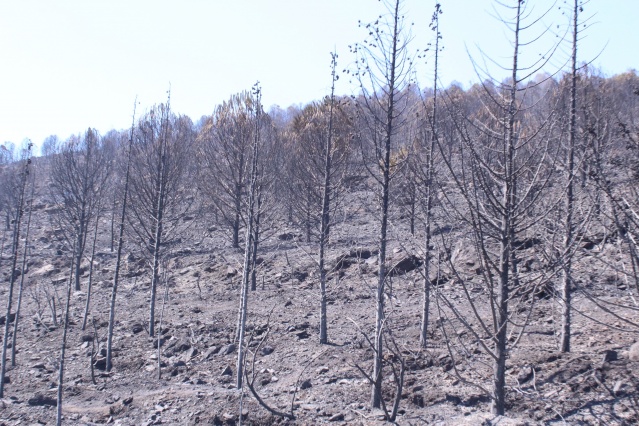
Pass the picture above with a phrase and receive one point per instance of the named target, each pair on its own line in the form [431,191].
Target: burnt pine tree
[23,271]
[79,173]
[306,140]
[160,153]
[24,175]
[327,194]
[429,184]
[566,285]
[118,258]
[8,183]
[87,305]
[266,196]
[384,66]
[224,150]
[65,330]
[500,171]
[250,216]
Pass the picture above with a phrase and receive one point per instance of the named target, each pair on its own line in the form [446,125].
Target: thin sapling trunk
[118,259]
[23,270]
[326,199]
[14,261]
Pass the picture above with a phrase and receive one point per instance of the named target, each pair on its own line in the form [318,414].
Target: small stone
[39,400]
[339,417]
[287,236]
[610,355]
[309,407]
[633,352]
[306,384]
[3,319]
[323,369]
[228,349]
[525,374]
[211,351]
[418,400]
[137,328]
[267,350]
[86,338]
[453,399]
[100,363]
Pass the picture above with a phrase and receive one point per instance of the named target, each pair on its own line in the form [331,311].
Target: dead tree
[79,172]
[267,197]
[327,194]
[384,65]
[162,145]
[23,271]
[428,186]
[7,184]
[251,199]
[9,193]
[64,340]
[118,259]
[318,143]
[87,305]
[24,175]
[224,150]
[500,171]
[566,287]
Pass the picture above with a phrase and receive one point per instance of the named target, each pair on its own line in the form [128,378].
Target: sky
[67,65]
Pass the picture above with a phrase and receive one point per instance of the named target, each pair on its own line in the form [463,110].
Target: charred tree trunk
[80,248]
[376,393]
[507,237]
[566,287]
[159,217]
[64,344]
[430,190]
[238,217]
[118,259]
[113,214]
[256,240]
[14,261]
[249,235]
[23,273]
[90,283]
[326,200]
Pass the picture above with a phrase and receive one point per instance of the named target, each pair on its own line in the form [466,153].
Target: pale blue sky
[71,64]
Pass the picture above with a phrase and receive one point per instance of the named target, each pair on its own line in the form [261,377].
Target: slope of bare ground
[595,384]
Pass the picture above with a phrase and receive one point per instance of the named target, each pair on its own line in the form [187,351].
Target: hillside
[595,383]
